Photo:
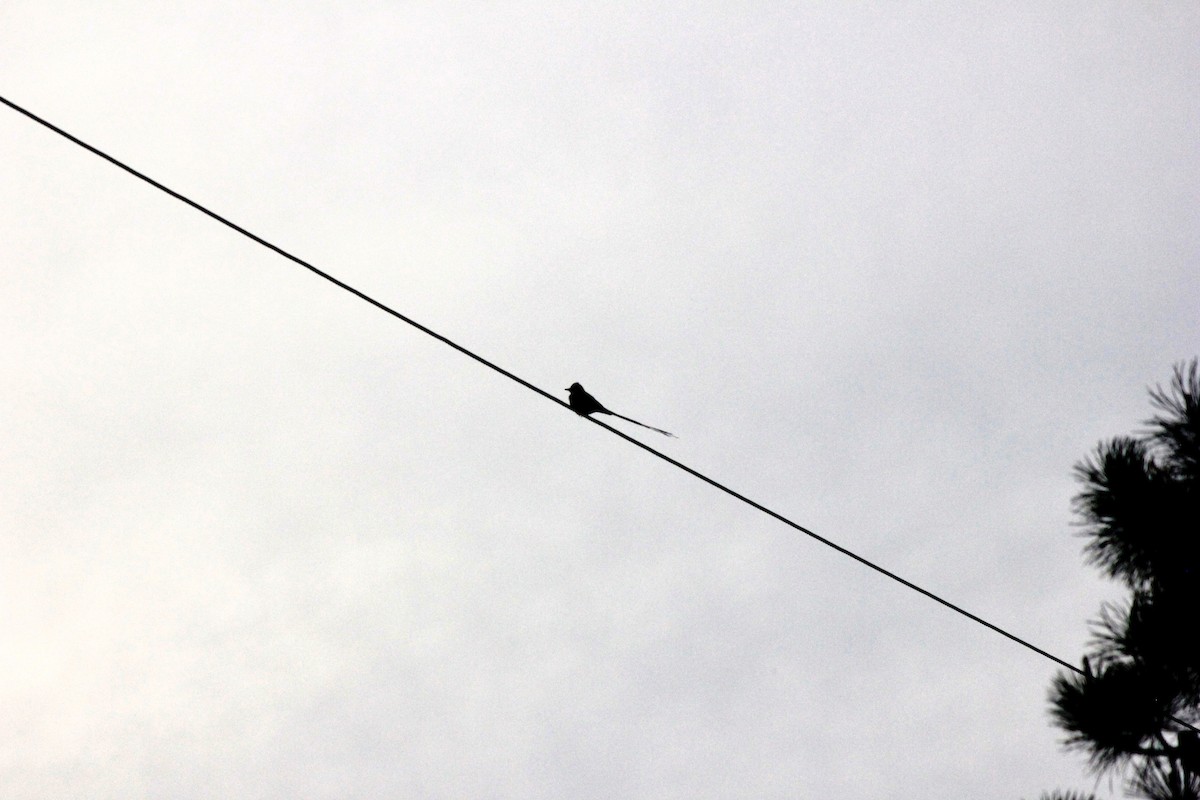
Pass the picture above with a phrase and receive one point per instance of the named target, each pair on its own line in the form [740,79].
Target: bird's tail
[644,425]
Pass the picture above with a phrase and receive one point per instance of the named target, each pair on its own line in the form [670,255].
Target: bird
[584,405]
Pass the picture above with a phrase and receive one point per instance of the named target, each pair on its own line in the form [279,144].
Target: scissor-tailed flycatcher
[584,404]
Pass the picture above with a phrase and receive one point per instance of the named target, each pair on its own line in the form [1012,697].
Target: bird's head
[575,387]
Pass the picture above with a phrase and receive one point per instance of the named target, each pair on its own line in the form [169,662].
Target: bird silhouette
[584,404]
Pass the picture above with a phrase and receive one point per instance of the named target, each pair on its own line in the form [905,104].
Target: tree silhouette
[1140,508]
[1067,796]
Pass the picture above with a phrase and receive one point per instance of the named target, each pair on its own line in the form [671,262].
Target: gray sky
[890,270]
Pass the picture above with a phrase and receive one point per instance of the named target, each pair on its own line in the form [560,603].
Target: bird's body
[584,405]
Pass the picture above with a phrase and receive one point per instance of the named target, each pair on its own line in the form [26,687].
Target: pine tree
[1140,507]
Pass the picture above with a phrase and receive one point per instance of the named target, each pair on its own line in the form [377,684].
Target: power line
[543,393]
[228,223]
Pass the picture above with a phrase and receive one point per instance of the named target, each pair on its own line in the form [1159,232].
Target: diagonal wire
[828,543]
[525,383]
[279,250]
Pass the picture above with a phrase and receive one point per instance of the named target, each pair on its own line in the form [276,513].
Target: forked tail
[644,425]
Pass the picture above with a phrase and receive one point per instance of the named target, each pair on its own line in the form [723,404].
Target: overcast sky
[890,269]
